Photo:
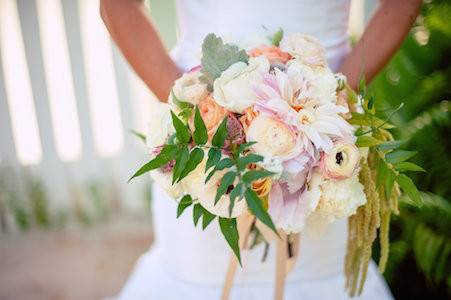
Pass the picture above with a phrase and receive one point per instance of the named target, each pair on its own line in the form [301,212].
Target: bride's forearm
[382,37]
[136,37]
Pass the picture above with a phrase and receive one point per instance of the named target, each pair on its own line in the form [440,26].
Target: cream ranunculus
[273,138]
[194,184]
[339,199]
[341,162]
[304,48]
[234,89]
[188,88]
[159,127]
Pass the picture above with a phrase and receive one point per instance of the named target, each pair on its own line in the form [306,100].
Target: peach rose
[273,54]
[212,114]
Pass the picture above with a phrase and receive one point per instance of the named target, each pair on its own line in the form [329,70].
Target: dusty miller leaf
[217,57]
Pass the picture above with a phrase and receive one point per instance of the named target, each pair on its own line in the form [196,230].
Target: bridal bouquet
[274,134]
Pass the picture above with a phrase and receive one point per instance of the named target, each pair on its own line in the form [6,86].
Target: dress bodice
[200,256]
[248,21]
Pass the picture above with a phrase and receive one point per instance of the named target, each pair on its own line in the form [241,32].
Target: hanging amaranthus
[382,178]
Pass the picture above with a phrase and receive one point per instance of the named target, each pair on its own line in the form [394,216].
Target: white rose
[304,48]
[188,88]
[159,127]
[205,193]
[164,180]
[234,88]
[339,199]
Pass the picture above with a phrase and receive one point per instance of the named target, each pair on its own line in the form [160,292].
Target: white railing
[67,99]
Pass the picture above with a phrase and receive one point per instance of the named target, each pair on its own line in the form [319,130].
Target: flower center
[306,117]
[339,158]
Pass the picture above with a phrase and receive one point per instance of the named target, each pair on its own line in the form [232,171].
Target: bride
[186,263]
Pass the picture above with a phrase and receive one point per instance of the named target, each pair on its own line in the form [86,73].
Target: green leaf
[207,218]
[200,135]
[181,130]
[245,146]
[221,165]
[386,146]
[367,141]
[184,203]
[235,193]
[230,232]
[382,170]
[362,86]
[198,210]
[371,103]
[226,181]
[408,166]
[243,161]
[214,155]
[389,182]
[218,57]
[195,157]
[185,113]
[224,163]
[398,156]
[409,188]
[180,163]
[139,135]
[220,134]
[277,37]
[210,175]
[167,154]
[255,205]
[365,120]
[252,175]
[181,104]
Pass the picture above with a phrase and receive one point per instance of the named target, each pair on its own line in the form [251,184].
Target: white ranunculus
[234,88]
[304,48]
[160,126]
[339,199]
[164,180]
[188,88]
[194,184]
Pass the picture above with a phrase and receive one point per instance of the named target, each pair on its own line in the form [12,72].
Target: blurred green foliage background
[419,76]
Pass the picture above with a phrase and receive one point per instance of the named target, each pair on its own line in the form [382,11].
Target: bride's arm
[129,25]
[382,37]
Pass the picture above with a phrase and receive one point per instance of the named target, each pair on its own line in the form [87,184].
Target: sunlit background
[67,102]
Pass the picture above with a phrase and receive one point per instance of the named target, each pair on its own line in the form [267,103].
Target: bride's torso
[200,256]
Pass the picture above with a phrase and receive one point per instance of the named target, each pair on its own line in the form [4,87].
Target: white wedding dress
[188,263]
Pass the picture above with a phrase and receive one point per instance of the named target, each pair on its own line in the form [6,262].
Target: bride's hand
[138,40]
